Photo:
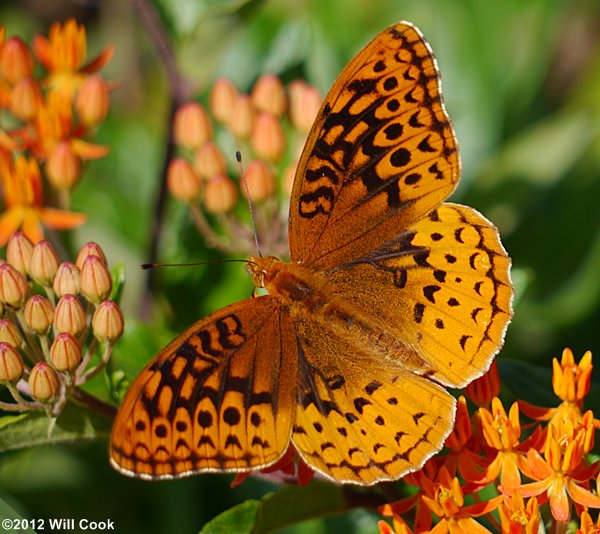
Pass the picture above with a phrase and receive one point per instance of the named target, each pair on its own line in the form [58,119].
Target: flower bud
[69,315]
[90,249]
[25,99]
[268,95]
[38,314]
[63,167]
[96,283]
[44,263]
[268,137]
[192,127]
[67,280]
[13,286]
[260,179]
[305,102]
[16,60]
[10,333]
[183,181]
[11,364]
[222,98]
[92,100]
[43,382]
[19,251]
[65,353]
[220,194]
[241,121]
[107,323]
[210,160]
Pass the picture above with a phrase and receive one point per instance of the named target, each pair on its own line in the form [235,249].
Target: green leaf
[7,512]
[35,428]
[239,519]
[290,505]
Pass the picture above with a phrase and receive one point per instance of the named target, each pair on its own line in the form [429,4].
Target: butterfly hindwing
[220,397]
[381,153]
[442,287]
[360,419]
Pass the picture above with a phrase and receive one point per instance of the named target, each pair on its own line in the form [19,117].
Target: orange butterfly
[390,295]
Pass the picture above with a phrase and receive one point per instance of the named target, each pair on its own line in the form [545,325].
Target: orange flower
[485,388]
[446,500]
[24,210]
[587,524]
[518,518]
[63,54]
[561,473]
[571,384]
[460,456]
[502,433]
[421,478]
[54,124]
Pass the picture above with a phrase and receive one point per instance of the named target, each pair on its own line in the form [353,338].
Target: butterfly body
[391,295]
[307,295]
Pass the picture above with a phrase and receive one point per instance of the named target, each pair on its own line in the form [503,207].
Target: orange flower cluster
[46,120]
[267,126]
[497,473]
[49,342]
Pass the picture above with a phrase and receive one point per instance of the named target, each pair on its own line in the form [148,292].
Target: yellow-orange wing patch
[221,397]
[442,288]
[362,420]
[381,153]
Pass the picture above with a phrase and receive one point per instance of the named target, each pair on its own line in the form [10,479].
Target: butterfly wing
[442,287]
[360,419]
[221,397]
[381,153]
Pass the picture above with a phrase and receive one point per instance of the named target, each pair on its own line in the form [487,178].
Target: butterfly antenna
[238,157]
[208,262]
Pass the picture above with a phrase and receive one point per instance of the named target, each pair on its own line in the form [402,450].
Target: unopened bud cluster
[58,325]
[269,125]
[52,104]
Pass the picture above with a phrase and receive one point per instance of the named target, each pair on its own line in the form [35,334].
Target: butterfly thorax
[307,294]
[290,282]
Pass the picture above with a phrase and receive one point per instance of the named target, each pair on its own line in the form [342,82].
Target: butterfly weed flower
[63,54]
[19,252]
[502,434]
[269,126]
[571,384]
[518,517]
[483,389]
[445,498]
[192,127]
[24,203]
[61,340]
[562,473]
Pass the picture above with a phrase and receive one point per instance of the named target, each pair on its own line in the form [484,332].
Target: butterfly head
[260,267]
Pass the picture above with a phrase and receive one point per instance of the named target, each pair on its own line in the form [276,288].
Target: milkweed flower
[63,54]
[502,433]
[571,384]
[563,472]
[24,209]
[446,500]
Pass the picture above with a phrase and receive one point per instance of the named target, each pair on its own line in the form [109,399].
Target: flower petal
[10,222]
[61,220]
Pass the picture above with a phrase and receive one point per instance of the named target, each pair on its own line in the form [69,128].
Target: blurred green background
[521,81]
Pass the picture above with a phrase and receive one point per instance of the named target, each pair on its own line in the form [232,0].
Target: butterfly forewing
[381,154]
[442,287]
[221,397]
[361,419]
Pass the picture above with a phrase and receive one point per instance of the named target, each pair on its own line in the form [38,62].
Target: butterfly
[391,296]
